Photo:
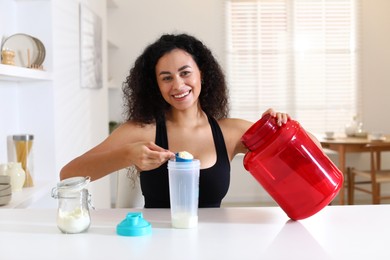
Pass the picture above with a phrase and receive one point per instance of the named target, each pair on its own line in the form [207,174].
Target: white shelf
[14,73]
[28,196]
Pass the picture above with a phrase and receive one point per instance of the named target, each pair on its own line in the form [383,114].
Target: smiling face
[179,79]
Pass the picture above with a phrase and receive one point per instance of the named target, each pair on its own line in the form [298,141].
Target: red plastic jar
[291,167]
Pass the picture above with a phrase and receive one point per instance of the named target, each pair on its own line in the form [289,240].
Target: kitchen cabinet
[26,95]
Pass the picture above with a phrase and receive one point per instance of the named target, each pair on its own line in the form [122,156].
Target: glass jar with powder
[74,202]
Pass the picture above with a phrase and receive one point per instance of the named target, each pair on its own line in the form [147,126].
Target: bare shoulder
[132,132]
[233,129]
[234,125]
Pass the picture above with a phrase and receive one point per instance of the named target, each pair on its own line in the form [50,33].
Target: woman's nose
[177,82]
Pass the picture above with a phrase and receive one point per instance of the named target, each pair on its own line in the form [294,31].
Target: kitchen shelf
[27,197]
[14,73]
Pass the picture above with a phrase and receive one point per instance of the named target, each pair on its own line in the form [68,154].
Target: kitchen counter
[336,232]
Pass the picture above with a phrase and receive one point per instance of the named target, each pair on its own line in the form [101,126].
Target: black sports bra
[213,182]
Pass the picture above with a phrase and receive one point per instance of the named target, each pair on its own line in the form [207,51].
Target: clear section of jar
[73,211]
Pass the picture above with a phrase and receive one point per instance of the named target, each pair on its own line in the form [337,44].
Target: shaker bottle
[23,145]
[291,167]
[73,205]
[184,192]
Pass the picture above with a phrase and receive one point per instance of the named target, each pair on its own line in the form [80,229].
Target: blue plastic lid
[184,157]
[134,225]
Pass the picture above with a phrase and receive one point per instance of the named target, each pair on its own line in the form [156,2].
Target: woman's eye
[185,73]
[167,78]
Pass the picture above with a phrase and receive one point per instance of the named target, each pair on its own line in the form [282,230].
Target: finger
[160,157]
[269,111]
[154,147]
[151,161]
[281,118]
[286,117]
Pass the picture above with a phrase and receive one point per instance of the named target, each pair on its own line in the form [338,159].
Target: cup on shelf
[376,136]
[8,57]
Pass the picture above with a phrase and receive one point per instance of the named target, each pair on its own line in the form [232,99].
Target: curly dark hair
[142,98]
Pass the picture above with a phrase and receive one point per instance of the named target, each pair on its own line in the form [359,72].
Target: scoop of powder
[186,156]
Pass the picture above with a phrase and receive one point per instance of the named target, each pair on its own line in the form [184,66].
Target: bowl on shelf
[5,194]
[5,179]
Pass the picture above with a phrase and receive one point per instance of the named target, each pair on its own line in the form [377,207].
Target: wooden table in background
[344,145]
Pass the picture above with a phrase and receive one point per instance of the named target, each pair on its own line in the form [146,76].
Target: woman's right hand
[148,156]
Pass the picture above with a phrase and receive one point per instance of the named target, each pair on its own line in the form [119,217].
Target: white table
[337,232]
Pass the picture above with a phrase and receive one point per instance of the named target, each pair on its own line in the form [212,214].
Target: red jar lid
[260,132]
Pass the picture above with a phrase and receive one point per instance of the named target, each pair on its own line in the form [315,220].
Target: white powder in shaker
[75,221]
[184,220]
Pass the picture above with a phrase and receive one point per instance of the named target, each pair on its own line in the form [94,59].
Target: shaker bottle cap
[134,225]
[184,157]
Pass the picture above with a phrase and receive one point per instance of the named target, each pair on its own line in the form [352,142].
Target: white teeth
[182,95]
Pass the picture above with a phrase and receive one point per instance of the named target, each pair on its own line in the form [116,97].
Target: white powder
[185,155]
[184,220]
[75,221]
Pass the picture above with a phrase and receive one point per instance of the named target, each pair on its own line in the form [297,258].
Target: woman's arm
[234,129]
[127,145]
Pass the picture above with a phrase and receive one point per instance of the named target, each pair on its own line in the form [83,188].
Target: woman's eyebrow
[164,72]
[180,69]
[184,67]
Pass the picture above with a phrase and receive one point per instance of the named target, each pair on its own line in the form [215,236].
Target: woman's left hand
[281,118]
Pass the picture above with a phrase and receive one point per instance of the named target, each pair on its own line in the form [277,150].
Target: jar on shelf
[17,176]
[74,202]
[23,153]
[8,57]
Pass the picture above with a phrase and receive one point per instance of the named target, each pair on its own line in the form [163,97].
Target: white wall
[134,24]
[376,64]
[81,115]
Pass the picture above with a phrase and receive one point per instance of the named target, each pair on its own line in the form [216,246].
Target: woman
[176,100]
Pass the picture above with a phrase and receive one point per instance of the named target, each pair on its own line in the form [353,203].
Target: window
[298,56]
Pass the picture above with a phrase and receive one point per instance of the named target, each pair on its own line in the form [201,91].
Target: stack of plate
[5,190]
[29,51]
